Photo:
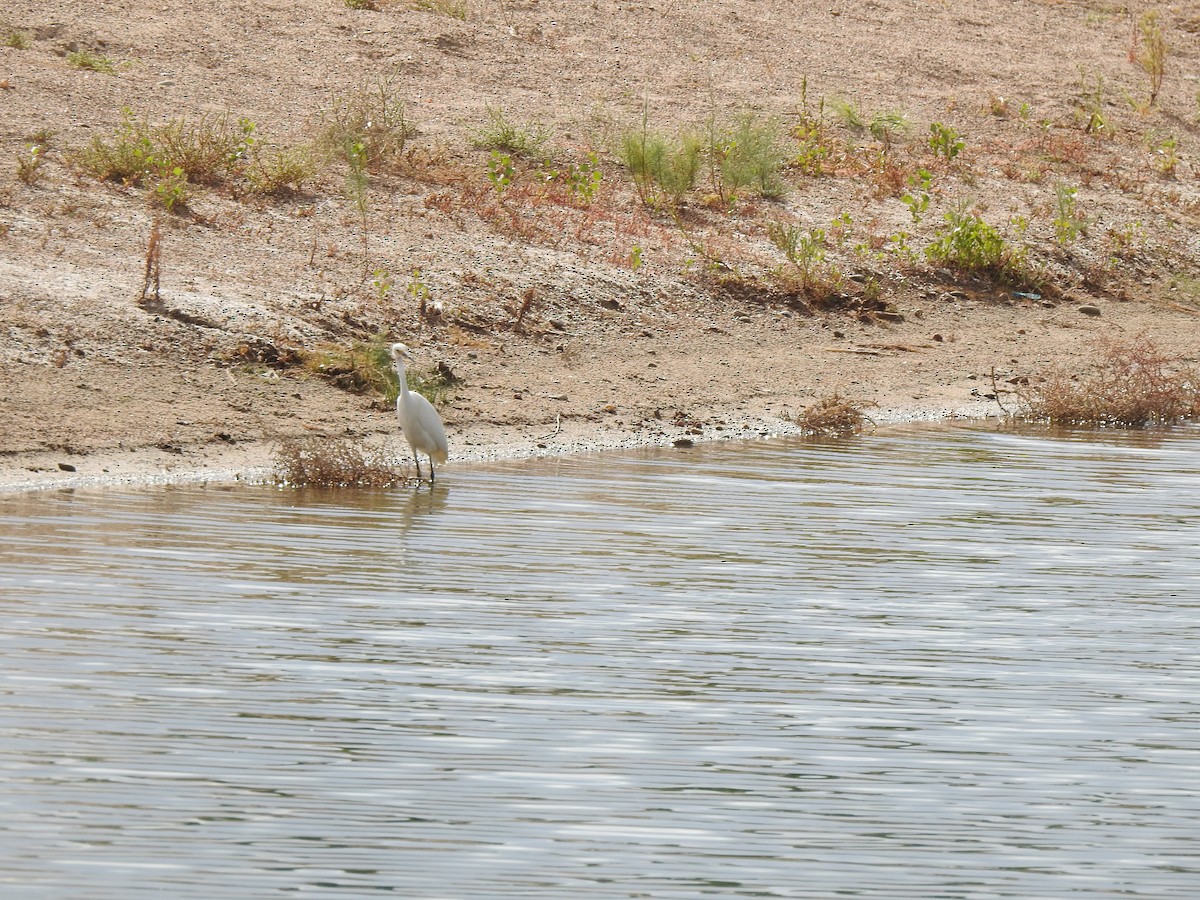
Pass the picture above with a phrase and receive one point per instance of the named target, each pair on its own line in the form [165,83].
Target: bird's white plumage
[420,422]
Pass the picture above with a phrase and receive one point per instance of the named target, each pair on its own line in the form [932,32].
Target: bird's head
[400,353]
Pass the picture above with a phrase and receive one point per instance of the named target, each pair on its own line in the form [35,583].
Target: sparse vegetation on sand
[1133,385]
[334,462]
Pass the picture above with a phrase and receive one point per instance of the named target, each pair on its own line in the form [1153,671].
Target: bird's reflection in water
[414,506]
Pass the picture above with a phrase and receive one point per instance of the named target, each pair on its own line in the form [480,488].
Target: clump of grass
[1134,385]
[281,170]
[370,122]
[213,150]
[455,9]
[210,150]
[86,59]
[750,154]
[501,134]
[363,367]
[662,167]
[832,415]
[331,462]
[366,367]
[15,39]
[361,4]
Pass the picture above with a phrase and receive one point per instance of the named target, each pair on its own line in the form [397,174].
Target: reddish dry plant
[330,462]
[1134,385]
[832,415]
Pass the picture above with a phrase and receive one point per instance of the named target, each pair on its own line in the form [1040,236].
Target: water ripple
[945,663]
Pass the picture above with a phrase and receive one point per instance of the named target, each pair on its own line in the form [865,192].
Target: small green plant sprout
[500,171]
[15,39]
[1149,51]
[635,258]
[381,281]
[1163,154]
[29,164]
[419,291]
[583,179]
[804,249]
[1091,104]
[920,184]
[945,141]
[814,147]
[501,134]
[840,228]
[171,190]
[86,59]
[1069,223]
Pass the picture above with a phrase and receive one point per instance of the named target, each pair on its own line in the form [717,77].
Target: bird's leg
[431,471]
[417,463]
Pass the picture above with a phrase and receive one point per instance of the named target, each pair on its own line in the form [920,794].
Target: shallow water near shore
[952,663]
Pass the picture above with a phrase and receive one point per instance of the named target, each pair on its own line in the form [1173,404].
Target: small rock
[1090,309]
[66,467]
[938,338]
[683,442]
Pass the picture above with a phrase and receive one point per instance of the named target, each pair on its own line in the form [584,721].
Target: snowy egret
[420,422]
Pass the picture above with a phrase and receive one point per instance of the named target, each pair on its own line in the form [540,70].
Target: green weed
[805,249]
[500,171]
[503,135]
[968,243]
[86,59]
[1165,159]
[917,197]
[171,190]
[945,141]
[1068,222]
[886,126]
[281,170]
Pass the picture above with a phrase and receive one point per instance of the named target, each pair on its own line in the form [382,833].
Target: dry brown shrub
[1134,385]
[832,415]
[331,462]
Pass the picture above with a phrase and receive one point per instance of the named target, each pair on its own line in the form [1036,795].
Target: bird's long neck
[403,378]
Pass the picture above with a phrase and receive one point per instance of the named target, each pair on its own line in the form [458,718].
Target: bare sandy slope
[700,340]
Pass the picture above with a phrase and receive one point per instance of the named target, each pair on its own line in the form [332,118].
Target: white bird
[420,422]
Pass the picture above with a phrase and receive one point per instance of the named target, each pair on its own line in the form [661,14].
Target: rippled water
[939,664]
